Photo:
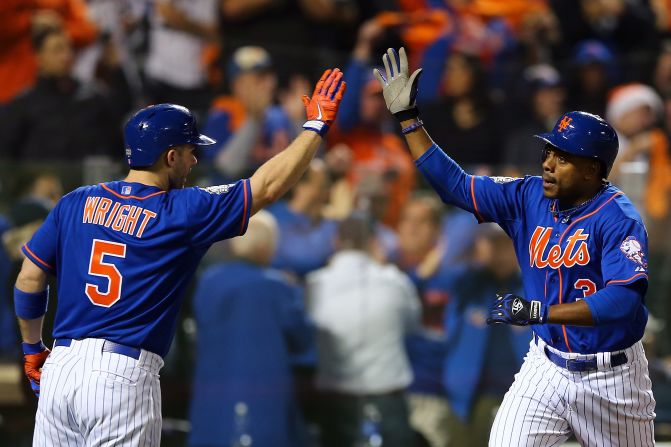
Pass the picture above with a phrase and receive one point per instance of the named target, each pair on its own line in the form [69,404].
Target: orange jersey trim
[37,258]
[619,281]
[108,189]
[588,215]
[475,204]
[563,326]
[244,211]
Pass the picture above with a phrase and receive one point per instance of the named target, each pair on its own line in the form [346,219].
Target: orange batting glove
[34,356]
[322,108]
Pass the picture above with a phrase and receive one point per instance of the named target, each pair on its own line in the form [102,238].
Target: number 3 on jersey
[98,267]
[586,285]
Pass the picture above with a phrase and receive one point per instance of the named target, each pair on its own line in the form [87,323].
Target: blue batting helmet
[586,135]
[156,128]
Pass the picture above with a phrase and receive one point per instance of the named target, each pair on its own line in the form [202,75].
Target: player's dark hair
[356,231]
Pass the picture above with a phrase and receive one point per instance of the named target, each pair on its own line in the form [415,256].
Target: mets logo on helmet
[564,123]
[632,249]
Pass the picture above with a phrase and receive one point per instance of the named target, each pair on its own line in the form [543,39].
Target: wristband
[414,126]
[408,114]
[33,348]
[538,312]
[29,306]
[316,126]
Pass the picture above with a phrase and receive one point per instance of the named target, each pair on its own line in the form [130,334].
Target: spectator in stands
[246,124]
[362,311]
[592,76]
[305,237]
[250,321]
[612,22]
[60,118]
[179,31]
[119,38]
[292,31]
[19,20]
[662,74]
[365,127]
[27,212]
[543,96]
[463,116]
[42,188]
[481,360]
[423,255]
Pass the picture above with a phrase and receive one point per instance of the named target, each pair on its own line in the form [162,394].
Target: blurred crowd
[353,312]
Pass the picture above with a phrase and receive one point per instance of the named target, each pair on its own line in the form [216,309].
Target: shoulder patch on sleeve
[219,189]
[504,179]
[633,250]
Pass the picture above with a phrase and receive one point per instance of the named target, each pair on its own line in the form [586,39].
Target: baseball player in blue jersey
[582,248]
[123,252]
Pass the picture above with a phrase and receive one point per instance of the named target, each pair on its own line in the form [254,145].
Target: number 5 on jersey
[98,267]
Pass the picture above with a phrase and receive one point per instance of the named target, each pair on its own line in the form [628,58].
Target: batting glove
[322,108]
[34,356]
[513,309]
[398,89]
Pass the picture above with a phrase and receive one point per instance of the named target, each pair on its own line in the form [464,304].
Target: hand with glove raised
[322,108]
[399,89]
[515,310]
[34,356]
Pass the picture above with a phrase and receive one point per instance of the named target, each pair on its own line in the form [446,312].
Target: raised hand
[322,107]
[398,89]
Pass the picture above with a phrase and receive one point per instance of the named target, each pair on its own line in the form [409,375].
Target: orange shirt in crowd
[17,60]
[658,190]
[377,152]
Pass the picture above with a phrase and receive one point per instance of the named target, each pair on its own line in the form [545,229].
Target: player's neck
[148,178]
[575,202]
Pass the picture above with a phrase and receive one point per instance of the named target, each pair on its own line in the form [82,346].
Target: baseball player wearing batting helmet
[123,253]
[582,247]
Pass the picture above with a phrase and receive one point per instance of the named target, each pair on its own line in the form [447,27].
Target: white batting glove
[398,89]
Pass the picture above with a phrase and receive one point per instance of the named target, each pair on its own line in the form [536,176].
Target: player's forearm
[446,177]
[276,176]
[418,140]
[30,299]
[573,314]
[31,330]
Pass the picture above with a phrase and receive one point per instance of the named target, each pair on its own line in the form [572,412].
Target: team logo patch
[565,123]
[126,190]
[219,189]
[517,306]
[504,179]
[632,249]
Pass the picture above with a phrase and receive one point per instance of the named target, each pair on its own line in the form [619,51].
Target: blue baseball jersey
[564,258]
[123,254]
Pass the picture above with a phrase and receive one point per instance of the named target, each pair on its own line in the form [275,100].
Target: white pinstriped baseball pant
[93,398]
[612,406]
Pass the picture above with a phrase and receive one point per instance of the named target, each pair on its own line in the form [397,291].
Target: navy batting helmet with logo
[586,135]
[155,129]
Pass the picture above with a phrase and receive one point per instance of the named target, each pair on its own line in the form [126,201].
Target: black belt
[108,346]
